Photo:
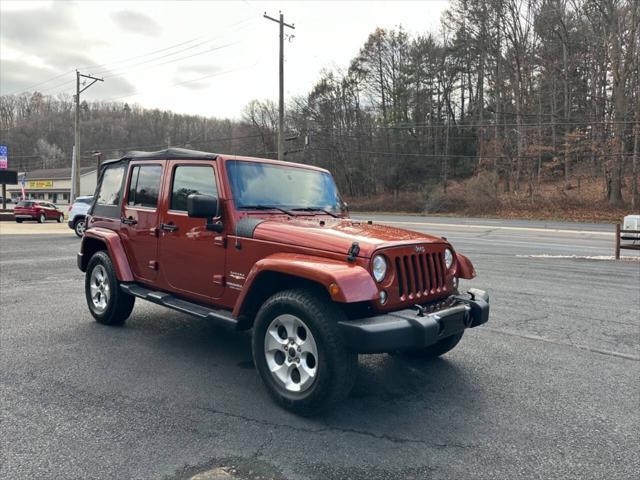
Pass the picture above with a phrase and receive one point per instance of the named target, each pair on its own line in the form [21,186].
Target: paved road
[549,389]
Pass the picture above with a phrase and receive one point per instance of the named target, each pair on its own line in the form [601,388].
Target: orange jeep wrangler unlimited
[268,245]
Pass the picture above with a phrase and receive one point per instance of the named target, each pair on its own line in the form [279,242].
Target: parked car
[78,213]
[631,223]
[268,245]
[38,211]
[8,200]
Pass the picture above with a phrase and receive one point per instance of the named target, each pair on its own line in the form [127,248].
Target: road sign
[4,157]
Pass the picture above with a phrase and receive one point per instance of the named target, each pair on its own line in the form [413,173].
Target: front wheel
[440,348]
[79,227]
[18,220]
[107,303]
[299,352]
[61,218]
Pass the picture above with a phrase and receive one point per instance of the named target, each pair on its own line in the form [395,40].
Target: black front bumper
[410,329]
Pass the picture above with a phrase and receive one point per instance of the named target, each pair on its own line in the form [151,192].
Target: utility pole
[281,88]
[98,156]
[75,166]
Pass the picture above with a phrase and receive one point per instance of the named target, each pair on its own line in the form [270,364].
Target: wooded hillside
[507,95]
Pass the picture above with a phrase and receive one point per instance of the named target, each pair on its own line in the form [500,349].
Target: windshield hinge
[353,252]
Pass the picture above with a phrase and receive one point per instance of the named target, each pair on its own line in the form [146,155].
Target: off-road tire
[120,304]
[336,366]
[42,218]
[61,218]
[437,349]
[79,224]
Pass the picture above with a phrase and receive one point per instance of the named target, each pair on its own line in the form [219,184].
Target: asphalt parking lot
[550,388]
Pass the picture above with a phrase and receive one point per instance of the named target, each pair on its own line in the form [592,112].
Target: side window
[144,186]
[188,179]
[109,194]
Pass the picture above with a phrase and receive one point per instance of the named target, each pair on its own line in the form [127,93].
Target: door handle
[169,227]
[129,221]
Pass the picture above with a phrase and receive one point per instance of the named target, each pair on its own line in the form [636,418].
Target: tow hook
[420,310]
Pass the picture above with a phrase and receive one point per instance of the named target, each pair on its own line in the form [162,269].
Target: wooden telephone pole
[281,87]
[75,165]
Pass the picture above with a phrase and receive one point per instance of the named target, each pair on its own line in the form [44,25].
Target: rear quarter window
[110,192]
[25,204]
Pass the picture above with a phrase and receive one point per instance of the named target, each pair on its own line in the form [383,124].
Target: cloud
[196,77]
[135,22]
[47,41]
[202,69]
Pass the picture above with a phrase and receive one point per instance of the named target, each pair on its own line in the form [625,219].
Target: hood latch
[353,252]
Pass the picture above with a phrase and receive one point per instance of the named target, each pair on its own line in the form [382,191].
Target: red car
[39,211]
[268,245]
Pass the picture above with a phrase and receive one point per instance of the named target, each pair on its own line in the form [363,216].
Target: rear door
[52,211]
[191,257]
[139,222]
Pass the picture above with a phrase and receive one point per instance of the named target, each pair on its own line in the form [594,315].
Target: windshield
[268,185]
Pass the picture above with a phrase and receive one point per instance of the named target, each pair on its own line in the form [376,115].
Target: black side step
[168,300]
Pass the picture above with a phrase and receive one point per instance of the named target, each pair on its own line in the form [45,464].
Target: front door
[191,257]
[139,222]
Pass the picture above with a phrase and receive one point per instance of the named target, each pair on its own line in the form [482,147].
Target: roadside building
[52,185]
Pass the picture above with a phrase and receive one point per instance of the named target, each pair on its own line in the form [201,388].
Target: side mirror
[204,206]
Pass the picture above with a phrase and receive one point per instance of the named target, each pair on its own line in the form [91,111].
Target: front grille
[420,274]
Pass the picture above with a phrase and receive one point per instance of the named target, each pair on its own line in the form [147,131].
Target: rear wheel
[42,218]
[299,352]
[107,303]
[440,348]
[18,220]
[79,227]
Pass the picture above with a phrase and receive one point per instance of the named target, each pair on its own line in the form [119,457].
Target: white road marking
[497,227]
[583,257]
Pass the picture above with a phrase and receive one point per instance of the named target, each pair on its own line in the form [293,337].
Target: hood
[337,235]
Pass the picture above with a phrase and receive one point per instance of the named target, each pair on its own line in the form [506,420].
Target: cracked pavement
[550,388]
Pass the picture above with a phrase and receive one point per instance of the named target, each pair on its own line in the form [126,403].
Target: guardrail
[627,246]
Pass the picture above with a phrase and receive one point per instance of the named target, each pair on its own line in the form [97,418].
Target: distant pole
[75,165]
[75,181]
[281,86]
[98,156]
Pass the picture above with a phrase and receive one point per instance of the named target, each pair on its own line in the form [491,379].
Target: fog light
[383,297]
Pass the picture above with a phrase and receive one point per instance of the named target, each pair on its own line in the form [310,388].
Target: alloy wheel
[291,353]
[100,288]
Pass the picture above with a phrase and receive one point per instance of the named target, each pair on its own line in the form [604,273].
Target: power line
[158,145]
[217,74]
[17,92]
[453,155]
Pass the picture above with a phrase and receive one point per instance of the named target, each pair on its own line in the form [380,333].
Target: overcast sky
[211,57]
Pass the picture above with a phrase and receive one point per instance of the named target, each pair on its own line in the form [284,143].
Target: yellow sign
[40,184]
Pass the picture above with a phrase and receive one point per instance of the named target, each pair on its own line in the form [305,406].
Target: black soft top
[167,154]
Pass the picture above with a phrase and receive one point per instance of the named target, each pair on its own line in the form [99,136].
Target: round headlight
[379,268]
[448,258]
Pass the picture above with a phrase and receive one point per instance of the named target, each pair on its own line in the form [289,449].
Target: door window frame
[127,187]
[210,164]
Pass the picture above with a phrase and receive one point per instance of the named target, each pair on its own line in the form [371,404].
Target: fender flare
[465,268]
[114,247]
[354,283]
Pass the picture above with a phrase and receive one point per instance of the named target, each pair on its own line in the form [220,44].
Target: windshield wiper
[265,207]
[314,209]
